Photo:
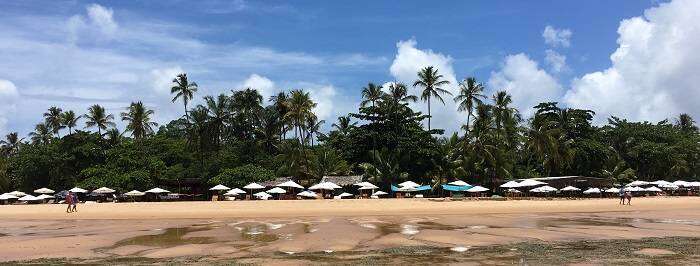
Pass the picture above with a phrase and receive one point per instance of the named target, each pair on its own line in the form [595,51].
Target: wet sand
[349,231]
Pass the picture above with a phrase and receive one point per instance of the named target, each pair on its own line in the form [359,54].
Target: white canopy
[592,191]
[220,187]
[612,190]
[230,193]
[364,184]
[668,186]
[634,189]
[345,194]
[236,191]
[157,191]
[477,189]
[543,189]
[324,186]
[77,190]
[369,187]
[530,183]
[307,194]
[409,184]
[17,193]
[28,198]
[681,183]
[510,184]
[103,190]
[44,191]
[379,193]
[134,193]
[254,186]
[290,183]
[694,184]
[262,195]
[459,183]
[653,189]
[7,196]
[44,196]
[637,183]
[512,190]
[660,182]
[570,188]
[276,190]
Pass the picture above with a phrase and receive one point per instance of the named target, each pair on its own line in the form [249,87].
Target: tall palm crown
[371,94]
[502,111]
[98,117]
[53,119]
[279,101]
[344,124]
[70,120]
[399,93]
[183,89]
[300,108]
[431,81]
[10,144]
[217,113]
[686,123]
[138,119]
[42,134]
[469,96]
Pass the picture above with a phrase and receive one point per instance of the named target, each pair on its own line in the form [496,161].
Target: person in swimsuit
[69,201]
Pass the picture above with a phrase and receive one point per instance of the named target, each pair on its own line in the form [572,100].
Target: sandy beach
[349,231]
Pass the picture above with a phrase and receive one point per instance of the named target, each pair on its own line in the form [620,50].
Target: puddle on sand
[258,233]
[561,222]
[169,238]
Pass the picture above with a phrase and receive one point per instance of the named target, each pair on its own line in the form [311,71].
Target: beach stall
[343,195]
[29,199]
[455,190]
[637,183]
[654,190]
[544,190]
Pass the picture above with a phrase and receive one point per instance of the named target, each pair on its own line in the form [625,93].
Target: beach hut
[377,194]
[612,190]
[365,184]
[253,186]
[570,188]
[44,191]
[133,194]
[478,190]
[513,190]
[156,192]
[344,195]
[544,189]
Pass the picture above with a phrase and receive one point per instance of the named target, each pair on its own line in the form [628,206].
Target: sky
[634,59]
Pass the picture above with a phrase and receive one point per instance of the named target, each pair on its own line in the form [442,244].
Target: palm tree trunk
[469,115]
[429,116]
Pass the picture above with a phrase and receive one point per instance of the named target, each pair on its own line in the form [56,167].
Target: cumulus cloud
[556,61]
[97,23]
[162,78]
[653,72]
[265,86]
[8,99]
[408,61]
[556,37]
[528,84]
[102,18]
[324,97]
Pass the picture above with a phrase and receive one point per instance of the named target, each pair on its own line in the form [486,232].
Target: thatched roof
[343,180]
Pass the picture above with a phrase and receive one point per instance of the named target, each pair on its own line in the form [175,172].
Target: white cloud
[102,18]
[556,37]
[265,86]
[556,61]
[324,97]
[162,78]
[653,73]
[528,84]
[408,61]
[8,100]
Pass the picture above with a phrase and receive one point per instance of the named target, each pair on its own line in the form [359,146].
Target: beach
[352,231]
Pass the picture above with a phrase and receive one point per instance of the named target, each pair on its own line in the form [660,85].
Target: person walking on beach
[74,202]
[622,195]
[69,201]
[628,195]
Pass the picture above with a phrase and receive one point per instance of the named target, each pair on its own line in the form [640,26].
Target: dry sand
[254,230]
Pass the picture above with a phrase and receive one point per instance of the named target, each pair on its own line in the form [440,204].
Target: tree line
[239,137]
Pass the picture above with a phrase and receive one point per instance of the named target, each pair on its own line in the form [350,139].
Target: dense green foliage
[240,137]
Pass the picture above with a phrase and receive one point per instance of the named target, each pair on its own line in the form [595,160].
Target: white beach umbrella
[477,189]
[17,193]
[510,184]
[230,193]
[134,193]
[290,183]
[668,186]
[409,184]
[220,187]
[637,183]
[253,186]
[324,186]
[44,191]
[653,189]
[237,191]
[530,183]
[543,189]
[660,182]
[592,191]
[78,190]
[345,194]
[512,190]
[307,194]
[44,196]
[364,184]
[28,198]
[103,190]
[570,188]
[459,183]
[157,190]
[369,187]
[408,189]
[694,184]
[262,195]
[276,190]
[612,190]
[681,183]
[379,193]
[7,196]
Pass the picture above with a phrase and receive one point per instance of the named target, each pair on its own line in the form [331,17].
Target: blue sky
[76,53]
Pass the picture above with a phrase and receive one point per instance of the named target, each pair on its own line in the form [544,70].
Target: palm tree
[300,108]
[218,113]
[469,96]
[42,134]
[53,120]
[70,120]
[98,117]
[314,127]
[183,89]
[371,94]
[431,81]
[10,145]
[399,93]
[114,136]
[138,119]
[344,125]
[502,110]
[279,101]
[686,123]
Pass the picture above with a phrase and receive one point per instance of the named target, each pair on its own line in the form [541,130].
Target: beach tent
[44,191]
[219,187]
[17,193]
[157,191]
[409,184]
[262,195]
[530,183]
[459,183]
[379,193]
[612,190]
[345,194]
[637,183]
[570,188]
[276,190]
[592,191]
[290,183]
[653,189]
[477,189]
[134,193]
[77,190]
[7,196]
[307,194]
[103,190]
[510,184]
